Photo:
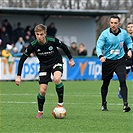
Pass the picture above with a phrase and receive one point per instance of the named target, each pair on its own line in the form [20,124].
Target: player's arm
[20,66]
[26,54]
[66,51]
[128,42]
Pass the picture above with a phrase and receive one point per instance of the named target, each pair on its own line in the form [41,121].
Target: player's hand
[18,80]
[71,63]
[103,59]
[129,53]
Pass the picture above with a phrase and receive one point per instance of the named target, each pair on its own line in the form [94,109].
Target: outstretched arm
[20,66]
[67,52]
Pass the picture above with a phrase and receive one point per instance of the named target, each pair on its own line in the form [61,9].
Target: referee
[111,53]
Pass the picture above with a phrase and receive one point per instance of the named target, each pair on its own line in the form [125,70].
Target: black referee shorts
[45,72]
[111,66]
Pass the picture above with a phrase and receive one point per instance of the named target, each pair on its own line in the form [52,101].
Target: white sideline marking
[14,102]
[22,94]
[53,94]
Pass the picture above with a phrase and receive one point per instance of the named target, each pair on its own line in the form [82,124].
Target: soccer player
[111,53]
[45,48]
[129,62]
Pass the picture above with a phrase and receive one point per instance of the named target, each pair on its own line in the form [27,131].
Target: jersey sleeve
[63,46]
[100,44]
[25,55]
[20,65]
[128,41]
[29,50]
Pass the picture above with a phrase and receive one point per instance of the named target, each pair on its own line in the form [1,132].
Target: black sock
[41,100]
[104,90]
[124,93]
[60,92]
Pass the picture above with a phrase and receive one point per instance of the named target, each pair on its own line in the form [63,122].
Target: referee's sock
[124,93]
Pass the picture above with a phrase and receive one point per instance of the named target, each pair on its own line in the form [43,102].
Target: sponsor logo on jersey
[46,53]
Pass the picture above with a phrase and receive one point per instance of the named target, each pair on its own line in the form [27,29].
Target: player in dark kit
[129,61]
[45,48]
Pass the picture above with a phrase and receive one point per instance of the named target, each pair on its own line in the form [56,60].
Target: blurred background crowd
[13,42]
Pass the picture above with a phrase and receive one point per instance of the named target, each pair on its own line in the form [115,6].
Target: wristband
[100,56]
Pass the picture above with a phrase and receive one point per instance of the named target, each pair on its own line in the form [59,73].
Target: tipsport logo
[6,66]
[29,68]
[91,68]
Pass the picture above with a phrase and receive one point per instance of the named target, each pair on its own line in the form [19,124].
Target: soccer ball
[59,112]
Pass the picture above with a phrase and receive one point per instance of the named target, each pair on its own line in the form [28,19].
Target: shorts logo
[42,73]
[50,48]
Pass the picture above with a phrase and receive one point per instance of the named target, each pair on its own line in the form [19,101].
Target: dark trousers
[108,69]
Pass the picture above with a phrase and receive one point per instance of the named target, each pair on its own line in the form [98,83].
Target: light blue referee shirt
[111,46]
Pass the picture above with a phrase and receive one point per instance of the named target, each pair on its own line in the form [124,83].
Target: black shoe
[104,106]
[126,107]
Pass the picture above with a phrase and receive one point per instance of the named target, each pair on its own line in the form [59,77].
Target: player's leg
[121,73]
[119,89]
[41,99]
[44,78]
[57,72]
[59,87]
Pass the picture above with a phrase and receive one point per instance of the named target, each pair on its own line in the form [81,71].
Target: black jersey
[129,61]
[125,46]
[47,53]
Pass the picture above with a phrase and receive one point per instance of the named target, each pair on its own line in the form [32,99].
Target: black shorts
[45,73]
[111,66]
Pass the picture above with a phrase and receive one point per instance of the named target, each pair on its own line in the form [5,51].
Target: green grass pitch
[82,100]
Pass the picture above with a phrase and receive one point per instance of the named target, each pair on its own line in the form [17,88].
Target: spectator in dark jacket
[82,51]
[73,49]
[51,29]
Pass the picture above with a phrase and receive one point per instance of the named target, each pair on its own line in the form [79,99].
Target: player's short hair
[40,27]
[115,16]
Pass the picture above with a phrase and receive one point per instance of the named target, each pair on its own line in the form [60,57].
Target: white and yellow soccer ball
[59,112]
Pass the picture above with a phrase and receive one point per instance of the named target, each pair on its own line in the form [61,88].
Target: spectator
[4,37]
[27,39]
[28,28]
[73,49]
[1,48]
[32,31]
[9,29]
[19,44]
[15,52]
[94,53]
[51,29]
[7,53]
[18,32]
[82,51]
[27,43]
